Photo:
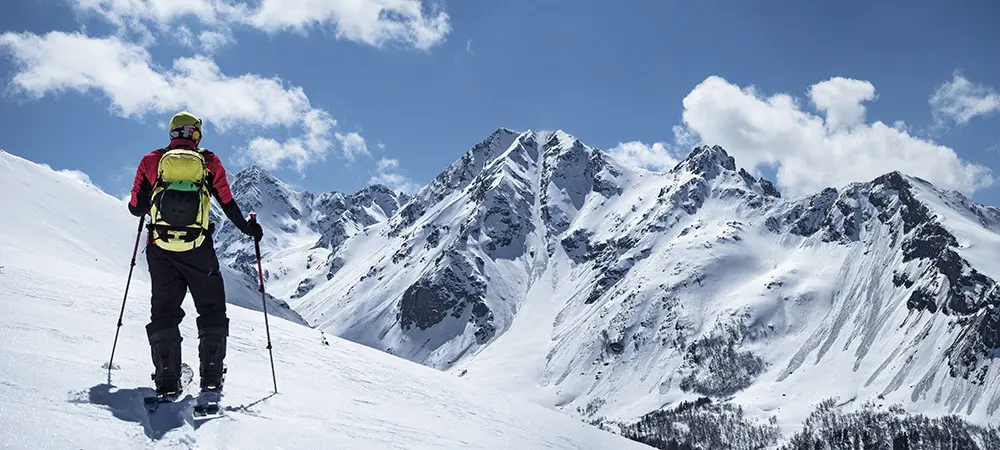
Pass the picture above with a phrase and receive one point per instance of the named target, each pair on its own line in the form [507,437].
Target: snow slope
[65,212]
[63,262]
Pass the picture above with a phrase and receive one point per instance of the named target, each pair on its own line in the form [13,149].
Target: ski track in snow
[57,322]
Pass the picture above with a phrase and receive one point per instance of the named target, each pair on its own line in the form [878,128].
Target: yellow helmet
[185,125]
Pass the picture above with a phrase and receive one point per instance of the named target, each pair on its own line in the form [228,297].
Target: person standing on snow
[174,185]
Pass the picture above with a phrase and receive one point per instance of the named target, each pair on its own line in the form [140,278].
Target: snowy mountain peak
[373,191]
[254,173]
[706,161]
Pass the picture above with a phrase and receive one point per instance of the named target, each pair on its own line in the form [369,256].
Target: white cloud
[211,41]
[656,157]
[660,156]
[371,22]
[354,145]
[388,174]
[135,86]
[831,147]
[959,100]
[841,99]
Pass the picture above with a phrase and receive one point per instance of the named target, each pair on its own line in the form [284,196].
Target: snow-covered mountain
[306,230]
[64,249]
[537,264]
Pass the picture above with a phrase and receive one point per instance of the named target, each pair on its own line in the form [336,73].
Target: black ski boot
[165,348]
[212,353]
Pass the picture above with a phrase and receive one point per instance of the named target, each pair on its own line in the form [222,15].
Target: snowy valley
[534,286]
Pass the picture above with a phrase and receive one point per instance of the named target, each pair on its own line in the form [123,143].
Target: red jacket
[145,176]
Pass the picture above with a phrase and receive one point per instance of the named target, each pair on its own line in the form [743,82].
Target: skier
[174,185]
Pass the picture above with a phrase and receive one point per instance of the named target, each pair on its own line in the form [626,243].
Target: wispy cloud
[959,100]
[832,146]
[212,41]
[354,145]
[376,23]
[388,173]
[468,47]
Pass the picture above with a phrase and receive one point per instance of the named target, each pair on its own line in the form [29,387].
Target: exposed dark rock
[482,318]
[891,193]
[433,237]
[920,300]
[899,279]
[990,328]
[577,245]
[610,264]
[930,241]
[454,291]
[813,216]
[769,188]
[335,264]
[304,287]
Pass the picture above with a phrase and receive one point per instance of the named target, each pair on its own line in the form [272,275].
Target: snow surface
[64,249]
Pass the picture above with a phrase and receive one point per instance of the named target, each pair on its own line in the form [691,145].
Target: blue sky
[342,93]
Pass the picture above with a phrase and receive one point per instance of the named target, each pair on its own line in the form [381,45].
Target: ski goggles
[187,131]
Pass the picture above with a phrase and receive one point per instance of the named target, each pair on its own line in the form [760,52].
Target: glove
[142,203]
[253,229]
[143,200]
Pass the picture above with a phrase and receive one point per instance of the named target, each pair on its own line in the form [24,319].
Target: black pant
[172,274]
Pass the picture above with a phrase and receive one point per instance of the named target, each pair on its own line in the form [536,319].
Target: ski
[153,402]
[207,406]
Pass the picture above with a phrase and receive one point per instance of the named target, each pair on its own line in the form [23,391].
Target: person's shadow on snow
[128,405]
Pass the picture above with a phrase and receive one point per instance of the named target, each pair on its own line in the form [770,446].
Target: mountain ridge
[538,248]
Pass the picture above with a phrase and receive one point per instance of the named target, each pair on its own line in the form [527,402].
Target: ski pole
[142,221]
[263,300]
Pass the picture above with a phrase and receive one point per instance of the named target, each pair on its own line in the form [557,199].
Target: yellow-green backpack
[181,201]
